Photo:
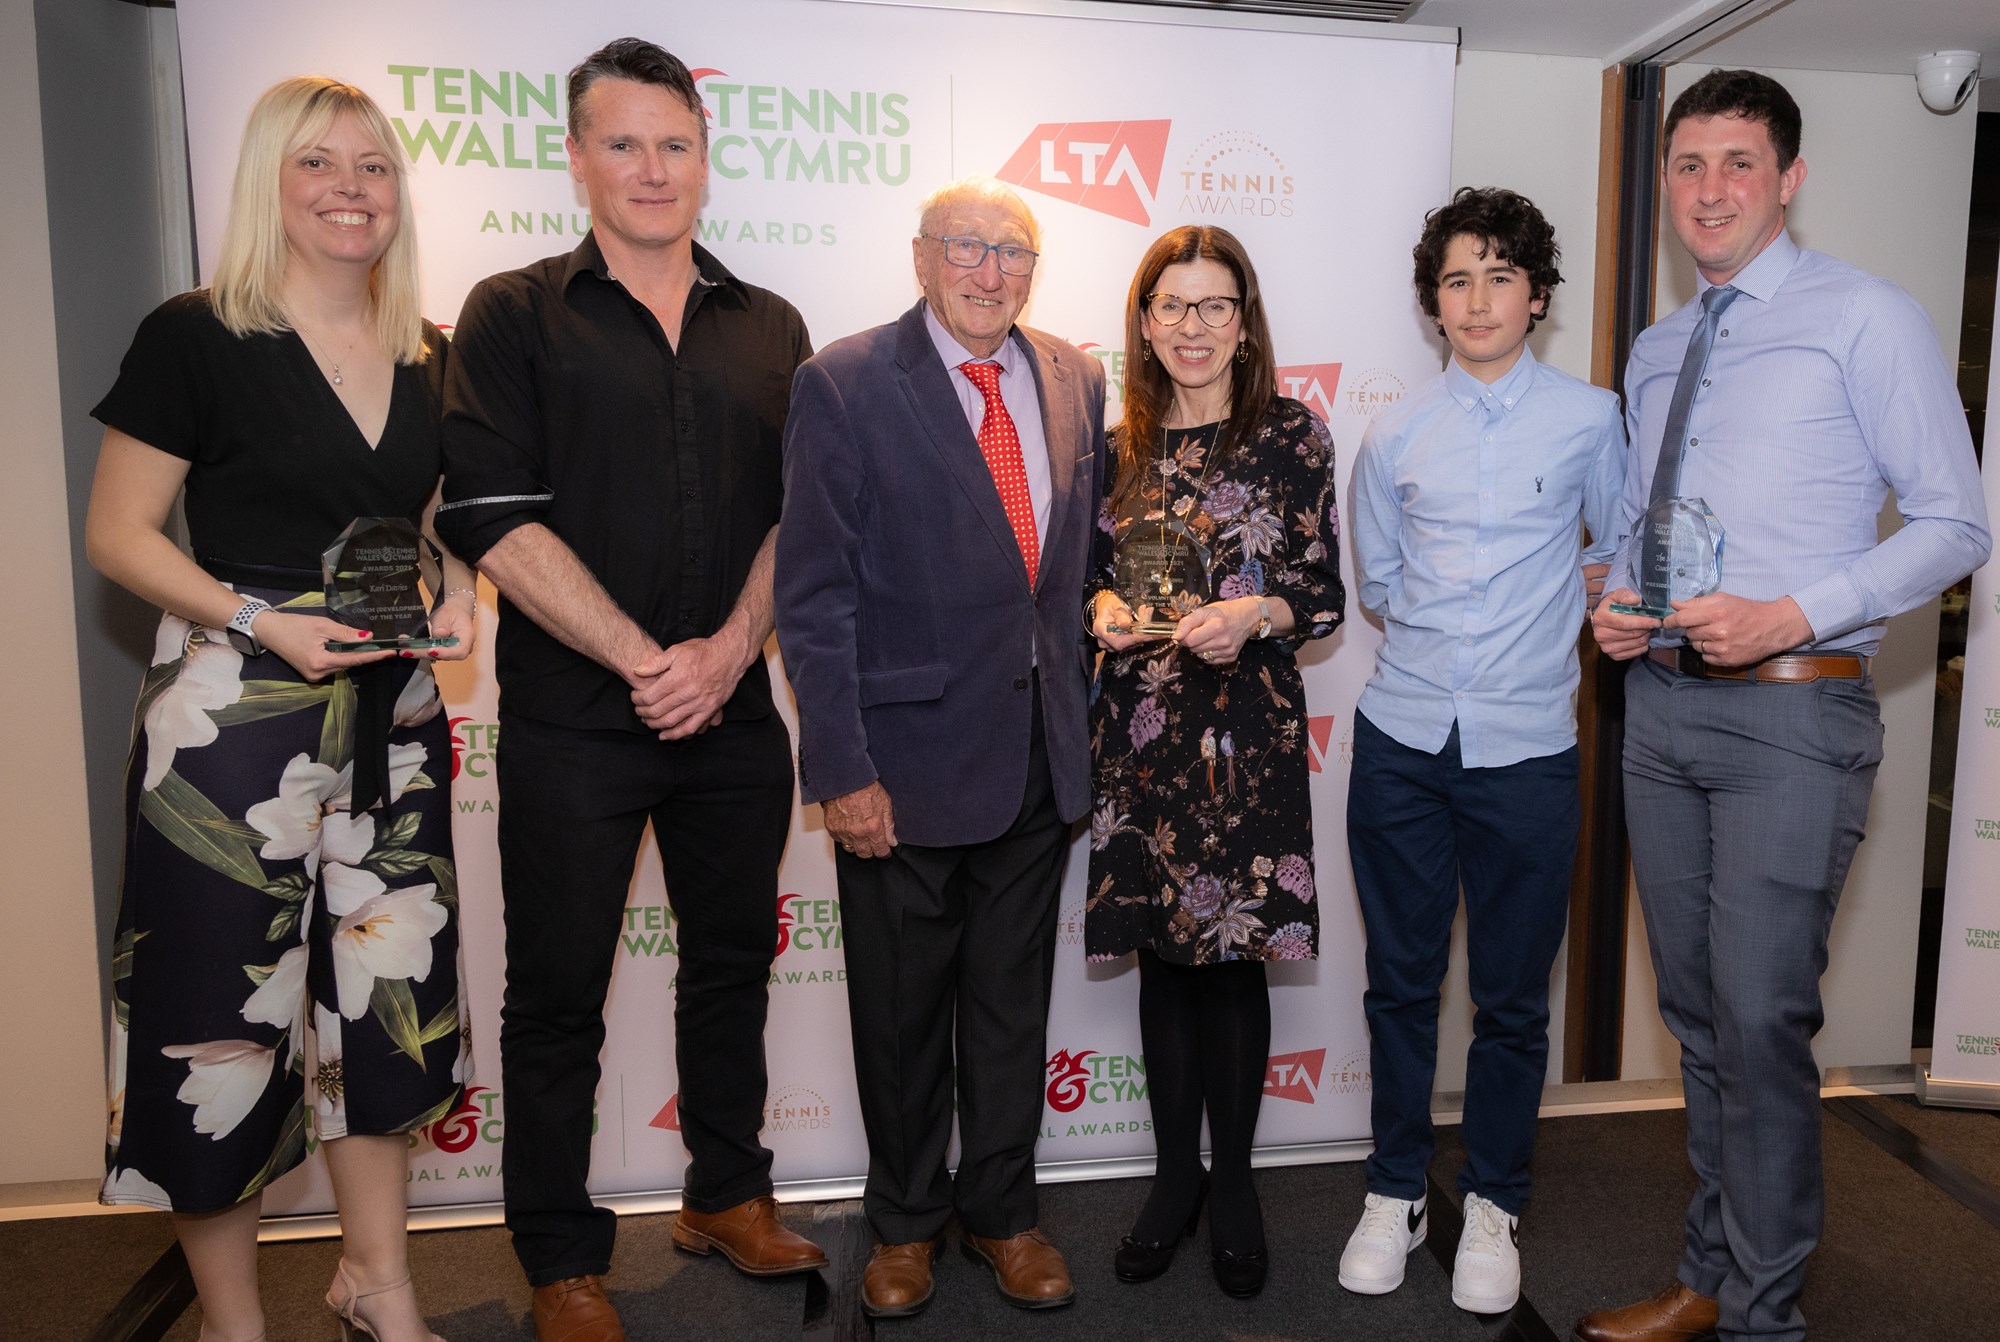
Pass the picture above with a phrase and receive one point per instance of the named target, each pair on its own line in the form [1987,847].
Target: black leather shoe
[1240,1274]
[1138,1260]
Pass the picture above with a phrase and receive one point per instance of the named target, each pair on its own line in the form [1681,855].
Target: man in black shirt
[612,450]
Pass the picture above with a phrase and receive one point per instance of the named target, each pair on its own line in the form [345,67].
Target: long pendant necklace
[1200,485]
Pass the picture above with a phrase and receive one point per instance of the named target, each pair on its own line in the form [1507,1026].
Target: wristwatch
[1263,629]
[239,633]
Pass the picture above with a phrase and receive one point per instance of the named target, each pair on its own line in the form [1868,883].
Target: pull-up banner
[829,122]
[1965,1047]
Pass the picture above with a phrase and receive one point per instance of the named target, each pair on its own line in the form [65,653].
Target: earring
[1243,351]
[1145,354]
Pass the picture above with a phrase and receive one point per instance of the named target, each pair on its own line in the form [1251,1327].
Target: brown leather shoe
[750,1236]
[897,1280]
[575,1310]
[1676,1314]
[1028,1269]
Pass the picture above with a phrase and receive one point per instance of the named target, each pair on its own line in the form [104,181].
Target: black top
[277,467]
[566,406]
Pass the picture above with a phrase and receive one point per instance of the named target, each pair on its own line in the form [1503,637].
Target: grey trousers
[1745,803]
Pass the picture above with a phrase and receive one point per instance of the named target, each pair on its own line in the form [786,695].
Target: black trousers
[573,807]
[950,954]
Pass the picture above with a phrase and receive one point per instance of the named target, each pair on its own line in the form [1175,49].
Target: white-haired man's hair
[977,187]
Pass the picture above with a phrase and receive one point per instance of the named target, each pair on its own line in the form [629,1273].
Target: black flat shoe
[1138,1260]
[1240,1274]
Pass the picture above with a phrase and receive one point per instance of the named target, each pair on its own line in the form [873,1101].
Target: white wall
[52,1107]
[1887,188]
[1529,123]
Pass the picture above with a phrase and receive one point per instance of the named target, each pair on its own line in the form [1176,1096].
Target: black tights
[1206,1030]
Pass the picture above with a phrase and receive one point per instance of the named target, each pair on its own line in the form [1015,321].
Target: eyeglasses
[971,253]
[1172,309]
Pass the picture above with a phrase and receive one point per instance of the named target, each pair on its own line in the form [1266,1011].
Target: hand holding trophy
[376,573]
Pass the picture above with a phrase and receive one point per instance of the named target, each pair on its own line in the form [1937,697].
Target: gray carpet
[1901,1259]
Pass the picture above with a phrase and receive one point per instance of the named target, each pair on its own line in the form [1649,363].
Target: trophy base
[391,644]
[1650,612]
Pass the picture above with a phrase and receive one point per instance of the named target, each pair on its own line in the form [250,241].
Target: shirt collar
[1008,356]
[589,257]
[1472,394]
[1766,271]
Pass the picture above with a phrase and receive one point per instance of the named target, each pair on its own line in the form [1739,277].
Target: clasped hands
[1215,631]
[1727,631]
[679,690]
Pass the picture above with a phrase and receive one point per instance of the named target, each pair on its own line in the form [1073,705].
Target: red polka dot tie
[1000,444]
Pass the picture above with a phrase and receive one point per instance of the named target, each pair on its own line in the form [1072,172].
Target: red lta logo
[1112,167]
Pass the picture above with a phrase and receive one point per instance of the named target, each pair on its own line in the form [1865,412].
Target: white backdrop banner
[829,122]
[1965,1047]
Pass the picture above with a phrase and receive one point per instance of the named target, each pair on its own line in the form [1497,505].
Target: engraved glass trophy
[1680,557]
[1161,572]
[376,573]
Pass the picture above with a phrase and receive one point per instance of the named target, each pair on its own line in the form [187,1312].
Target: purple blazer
[904,613]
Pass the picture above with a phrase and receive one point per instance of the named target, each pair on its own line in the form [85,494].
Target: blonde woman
[287,941]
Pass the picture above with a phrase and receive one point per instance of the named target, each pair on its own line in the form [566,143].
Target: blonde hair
[248,288]
[981,189]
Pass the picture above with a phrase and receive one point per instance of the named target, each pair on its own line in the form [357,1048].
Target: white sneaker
[1372,1263]
[1486,1278]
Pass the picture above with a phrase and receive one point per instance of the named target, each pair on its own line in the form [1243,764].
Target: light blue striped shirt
[1825,390]
[1463,522]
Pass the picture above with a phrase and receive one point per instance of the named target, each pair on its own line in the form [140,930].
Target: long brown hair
[1148,389]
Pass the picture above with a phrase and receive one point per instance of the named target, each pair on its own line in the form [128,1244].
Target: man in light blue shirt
[1789,397]
[1465,516]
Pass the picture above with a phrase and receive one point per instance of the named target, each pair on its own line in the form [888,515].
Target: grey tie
[1667,472]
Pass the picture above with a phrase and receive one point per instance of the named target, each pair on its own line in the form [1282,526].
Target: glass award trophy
[376,572]
[1161,572]
[1680,557]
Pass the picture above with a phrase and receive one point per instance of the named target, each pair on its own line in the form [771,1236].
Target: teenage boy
[1466,501]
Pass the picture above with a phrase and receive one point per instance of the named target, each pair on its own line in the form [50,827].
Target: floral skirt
[282,966]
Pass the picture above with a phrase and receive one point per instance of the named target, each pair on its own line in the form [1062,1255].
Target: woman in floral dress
[1201,841]
[286,958]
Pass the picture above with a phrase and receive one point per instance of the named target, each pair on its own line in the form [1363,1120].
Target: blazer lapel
[1055,387]
[927,386]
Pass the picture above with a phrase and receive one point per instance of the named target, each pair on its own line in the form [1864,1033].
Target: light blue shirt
[1824,390]
[1464,524]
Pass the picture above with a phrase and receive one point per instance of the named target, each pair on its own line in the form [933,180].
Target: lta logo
[669,1117]
[1314,384]
[1319,744]
[1112,167]
[1294,1076]
[477,1118]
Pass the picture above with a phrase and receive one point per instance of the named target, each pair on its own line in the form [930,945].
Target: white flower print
[309,793]
[225,1079]
[326,1075]
[344,840]
[279,997]
[211,677]
[389,937]
[419,701]
[124,1185]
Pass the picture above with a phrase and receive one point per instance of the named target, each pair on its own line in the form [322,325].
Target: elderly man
[942,475]
[612,436]
[1790,396]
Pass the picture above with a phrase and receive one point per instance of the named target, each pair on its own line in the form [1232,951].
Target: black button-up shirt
[565,404]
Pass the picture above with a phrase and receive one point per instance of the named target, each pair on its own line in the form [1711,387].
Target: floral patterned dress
[285,965]
[1201,843]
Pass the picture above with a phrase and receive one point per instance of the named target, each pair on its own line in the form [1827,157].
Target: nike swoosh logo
[1416,1218]
[1514,1233]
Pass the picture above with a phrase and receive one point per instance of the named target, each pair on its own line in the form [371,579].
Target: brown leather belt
[1790,669]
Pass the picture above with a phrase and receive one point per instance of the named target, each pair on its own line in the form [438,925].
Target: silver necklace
[314,347]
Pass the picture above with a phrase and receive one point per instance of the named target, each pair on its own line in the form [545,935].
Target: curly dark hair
[1508,223]
[1746,94]
[641,62]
